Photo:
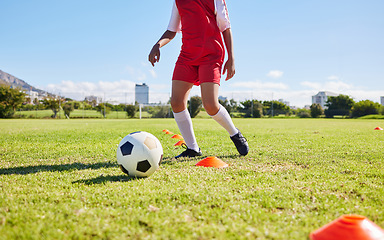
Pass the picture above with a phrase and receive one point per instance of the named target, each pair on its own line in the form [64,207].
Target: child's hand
[154,55]
[229,67]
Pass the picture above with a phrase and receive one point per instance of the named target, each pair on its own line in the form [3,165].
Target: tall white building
[322,97]
[382,100]
[142,93]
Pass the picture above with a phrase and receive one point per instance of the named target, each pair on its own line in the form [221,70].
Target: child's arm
[154,55]
[229,66]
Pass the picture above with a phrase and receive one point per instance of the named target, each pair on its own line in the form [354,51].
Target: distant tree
[230,105]
[68,107]
[276,109]
[194,106]
[76,105]
[365,107]
[28,107]
[36,101]
[131,110]
[252,108]
[381,111]
[53,104]
[10,99]
[86,105]
[103,109]
[160,111]
[340,105]
[316,110]
[119,107]
[303,113]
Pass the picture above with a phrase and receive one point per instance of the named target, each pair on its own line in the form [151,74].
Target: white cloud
[275,74]
[153,73]
[136,73]
[338,86]
[359,95]
[311,85]
[141,72]
[122,91]
[333,77]
[260,85]
[333,86]
[130,70]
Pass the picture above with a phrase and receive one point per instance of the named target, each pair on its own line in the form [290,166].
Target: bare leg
[180,93]
[210,96]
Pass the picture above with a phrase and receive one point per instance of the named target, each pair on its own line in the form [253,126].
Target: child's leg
[180,93]
[210,95]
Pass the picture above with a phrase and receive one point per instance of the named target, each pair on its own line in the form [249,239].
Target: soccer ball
[139,154]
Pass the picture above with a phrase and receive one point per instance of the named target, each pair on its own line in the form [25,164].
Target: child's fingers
[154,57]
[230,74]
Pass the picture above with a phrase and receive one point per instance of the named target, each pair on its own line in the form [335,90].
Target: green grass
[59,180]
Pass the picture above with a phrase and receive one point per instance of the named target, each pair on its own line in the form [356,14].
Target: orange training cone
[378,128]
[348,227]
[177,136]
[212,162]
[166,131]
[179,143]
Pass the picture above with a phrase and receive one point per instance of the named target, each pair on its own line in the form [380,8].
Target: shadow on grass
[55,168]
[172,160]
[230,156]
[103,179]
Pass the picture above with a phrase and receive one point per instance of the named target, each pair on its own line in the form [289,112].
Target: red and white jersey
[221,13]
[201,23]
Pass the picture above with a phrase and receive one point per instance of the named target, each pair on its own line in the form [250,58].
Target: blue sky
[283,49]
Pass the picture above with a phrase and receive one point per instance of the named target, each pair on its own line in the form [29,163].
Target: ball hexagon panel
[126,148]
[143,166]
[150,143]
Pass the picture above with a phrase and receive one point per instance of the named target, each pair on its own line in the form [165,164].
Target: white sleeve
[222,17]
[175,22]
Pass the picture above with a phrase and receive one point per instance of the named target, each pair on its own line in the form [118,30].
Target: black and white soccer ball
[139,154]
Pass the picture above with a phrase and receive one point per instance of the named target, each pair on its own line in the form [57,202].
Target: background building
[382,100]
[93,100]
[33,96]
[322,97]
[142,93]
[283,101]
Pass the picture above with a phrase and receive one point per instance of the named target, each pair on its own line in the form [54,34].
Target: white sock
[223,118]
[184,122]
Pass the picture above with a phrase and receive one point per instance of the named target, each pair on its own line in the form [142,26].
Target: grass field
[60,180]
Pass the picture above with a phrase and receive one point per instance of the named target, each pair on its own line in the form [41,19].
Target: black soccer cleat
[189,153]
[241,143]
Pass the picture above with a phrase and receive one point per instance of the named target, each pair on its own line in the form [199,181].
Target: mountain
[8,79]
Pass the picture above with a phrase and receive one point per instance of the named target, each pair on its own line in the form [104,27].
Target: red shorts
[197,74]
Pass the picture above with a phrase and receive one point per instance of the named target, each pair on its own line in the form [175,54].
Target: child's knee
[211,109]
[177,105]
